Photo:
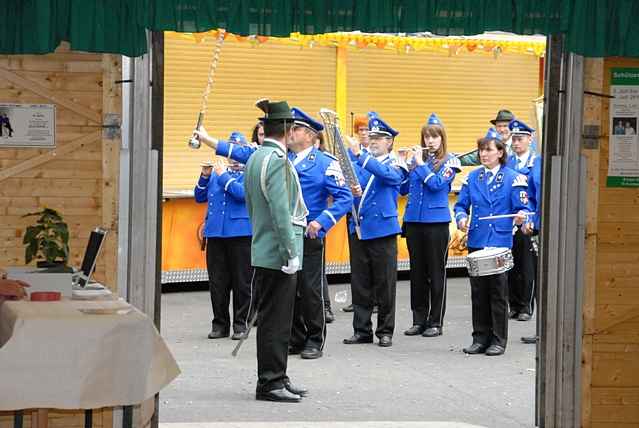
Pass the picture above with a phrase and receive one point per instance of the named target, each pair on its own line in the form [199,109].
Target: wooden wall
[79,177]
[610,375]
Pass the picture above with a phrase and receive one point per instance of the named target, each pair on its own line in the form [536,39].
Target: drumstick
[493,217]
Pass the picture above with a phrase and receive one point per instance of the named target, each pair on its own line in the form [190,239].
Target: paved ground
[417,380]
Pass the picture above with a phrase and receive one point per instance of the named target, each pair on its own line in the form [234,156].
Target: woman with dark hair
[257,135]
[492,189]
[426,220]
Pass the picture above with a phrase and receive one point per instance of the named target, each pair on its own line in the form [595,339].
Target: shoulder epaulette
[520,181]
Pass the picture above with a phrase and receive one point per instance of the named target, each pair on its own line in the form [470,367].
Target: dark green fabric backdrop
[593,28]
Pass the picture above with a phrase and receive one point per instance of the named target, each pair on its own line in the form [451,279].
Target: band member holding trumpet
[491,189]
[360,130]
[426,220]
[320,178]
[374,261]
[521,278]
[227,233]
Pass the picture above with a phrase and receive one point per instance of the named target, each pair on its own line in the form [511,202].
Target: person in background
[361,132]
[521,278]
[328,311]
[426,225]
[374,251]
[321,178]
[500,123]
[227,233]
[491,189]
[257,135]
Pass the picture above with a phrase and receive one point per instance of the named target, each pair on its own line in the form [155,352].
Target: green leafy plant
[47,240]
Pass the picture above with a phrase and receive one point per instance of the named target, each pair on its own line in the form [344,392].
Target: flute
[494,217]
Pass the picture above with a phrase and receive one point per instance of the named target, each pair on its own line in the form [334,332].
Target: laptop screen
[96,239]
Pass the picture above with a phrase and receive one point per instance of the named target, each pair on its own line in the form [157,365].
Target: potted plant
[47,241]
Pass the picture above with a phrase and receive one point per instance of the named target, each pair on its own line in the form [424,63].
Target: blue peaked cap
[492,134]
[301,118]
[237,137]
[377,126]
[434,120]
[516,126]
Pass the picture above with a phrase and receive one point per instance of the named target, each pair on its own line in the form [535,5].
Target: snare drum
[489,261]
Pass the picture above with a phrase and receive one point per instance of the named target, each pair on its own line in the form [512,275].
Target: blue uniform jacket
[236,152]
[534,187]
[321,177]
[377,208]
[428,191]
[226,216]
[527,169]
[506,194]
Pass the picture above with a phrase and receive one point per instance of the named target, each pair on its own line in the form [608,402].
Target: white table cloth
[54,355]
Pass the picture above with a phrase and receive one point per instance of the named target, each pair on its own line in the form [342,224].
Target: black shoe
[523,317]
[414,330]
[281,395]
[513,313]
[311,353]
[530,340]
[432,332]
[494,350]
[385,341]
[218,334]
[348,308]
[358,338]
[375,309]
[238,335]
[475,348]
[292,350]
[299,390]
[328,315]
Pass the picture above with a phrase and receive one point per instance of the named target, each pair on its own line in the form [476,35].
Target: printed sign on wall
[623,164]
[27,125]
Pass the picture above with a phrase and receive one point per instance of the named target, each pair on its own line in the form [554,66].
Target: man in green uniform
[278,219]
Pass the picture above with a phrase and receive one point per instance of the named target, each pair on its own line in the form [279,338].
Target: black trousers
[374,281]
[489,296]
[428,251]
[274,320]
[228,262]
[327,297]
[521,278]
[309,323]
[353,251]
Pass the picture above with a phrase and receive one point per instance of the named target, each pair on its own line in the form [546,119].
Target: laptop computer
[94,246]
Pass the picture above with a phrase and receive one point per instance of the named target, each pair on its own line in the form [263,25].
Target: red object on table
[45,296]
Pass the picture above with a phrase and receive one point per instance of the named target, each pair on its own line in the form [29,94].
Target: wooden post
[593,107]
[111,138]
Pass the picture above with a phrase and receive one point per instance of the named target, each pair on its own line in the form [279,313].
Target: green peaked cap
[277,110]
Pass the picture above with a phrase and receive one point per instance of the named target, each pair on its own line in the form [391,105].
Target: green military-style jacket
[275,206]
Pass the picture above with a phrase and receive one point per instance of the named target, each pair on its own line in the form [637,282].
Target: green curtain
[593,28]
[38,26]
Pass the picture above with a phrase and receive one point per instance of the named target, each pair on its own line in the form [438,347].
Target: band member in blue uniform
[228,243]
[320,178]
[374,261]
[491,189]
[360,130]
[521,278]
[426,221]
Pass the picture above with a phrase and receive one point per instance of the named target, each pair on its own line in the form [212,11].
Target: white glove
[292,266]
